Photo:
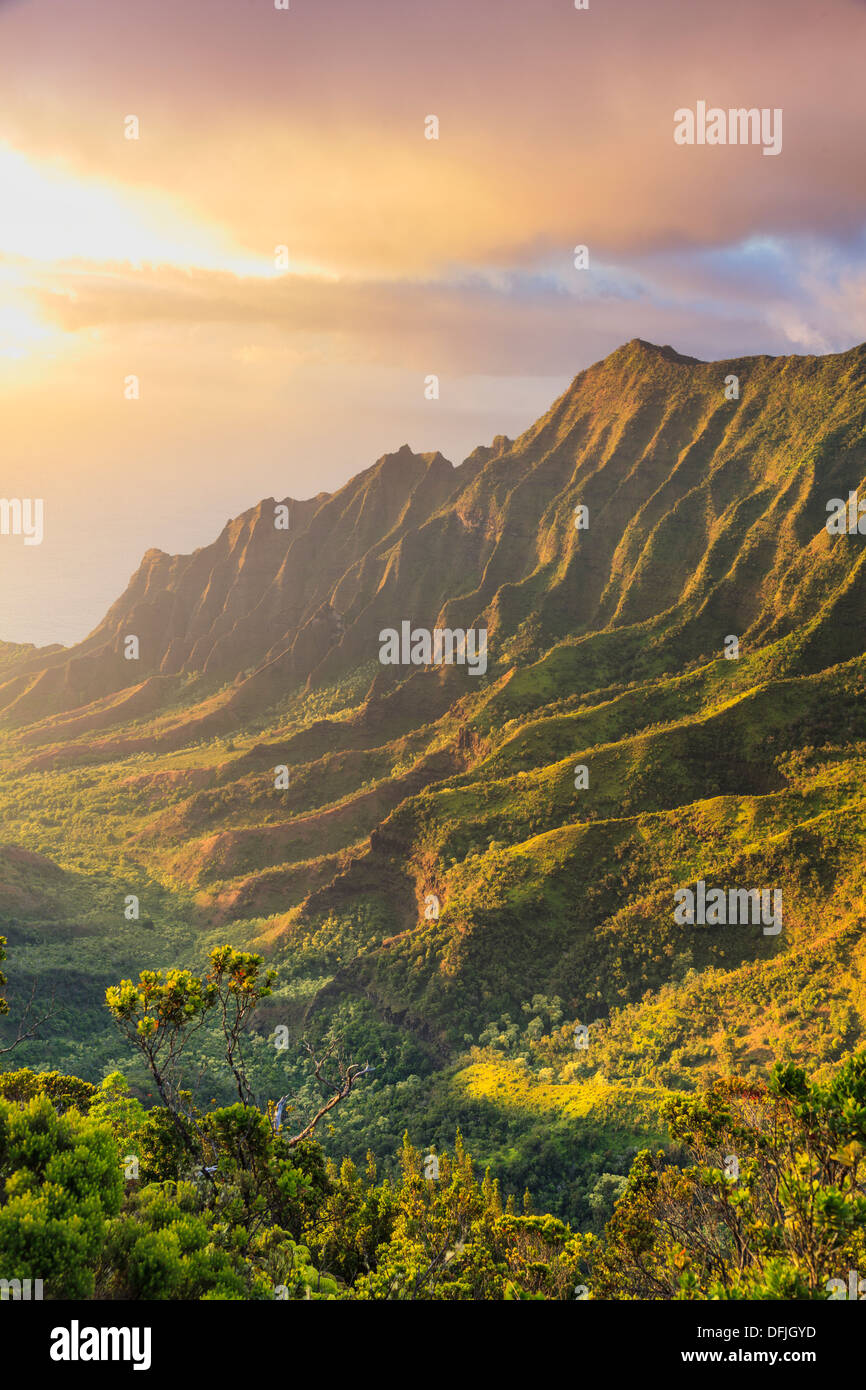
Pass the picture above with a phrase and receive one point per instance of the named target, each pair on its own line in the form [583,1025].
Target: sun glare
[54,223]
[52,216]
[20,331]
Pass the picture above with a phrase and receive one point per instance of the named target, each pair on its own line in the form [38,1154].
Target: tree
[160,1014]
[236,989]
[64,1092]
[336,1074]
[28,1026]
[60,1179]
[773,1204]
[170,1244]
[451,1240]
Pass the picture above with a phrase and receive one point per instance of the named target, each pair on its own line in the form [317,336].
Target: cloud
[306,127]
[764,296]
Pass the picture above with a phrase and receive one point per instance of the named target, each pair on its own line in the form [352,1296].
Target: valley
[260,776]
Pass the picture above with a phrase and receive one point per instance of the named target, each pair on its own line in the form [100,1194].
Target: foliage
[60,1181]
[771,1205]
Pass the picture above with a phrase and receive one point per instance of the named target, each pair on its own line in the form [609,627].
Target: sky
[264,373]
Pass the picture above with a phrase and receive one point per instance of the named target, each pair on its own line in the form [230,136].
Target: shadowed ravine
[158,776]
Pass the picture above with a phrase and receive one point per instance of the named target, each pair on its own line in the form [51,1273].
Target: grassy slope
[557,904]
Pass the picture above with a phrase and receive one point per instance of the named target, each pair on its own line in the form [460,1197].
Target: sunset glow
[281,244]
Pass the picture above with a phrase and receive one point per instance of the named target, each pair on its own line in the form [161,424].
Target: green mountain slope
[554,890]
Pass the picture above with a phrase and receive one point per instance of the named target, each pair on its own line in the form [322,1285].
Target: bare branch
[340,1081]
[28,1030]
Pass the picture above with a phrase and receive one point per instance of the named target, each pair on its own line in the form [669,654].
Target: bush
[60,1178]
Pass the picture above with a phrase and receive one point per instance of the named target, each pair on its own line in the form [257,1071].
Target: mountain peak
[645,438]
[641,346]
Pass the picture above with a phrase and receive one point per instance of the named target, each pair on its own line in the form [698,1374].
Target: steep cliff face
[705,517]
[423,853]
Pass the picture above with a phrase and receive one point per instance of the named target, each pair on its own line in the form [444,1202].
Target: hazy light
[50,215]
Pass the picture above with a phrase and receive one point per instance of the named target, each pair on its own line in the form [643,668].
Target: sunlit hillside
[471,877]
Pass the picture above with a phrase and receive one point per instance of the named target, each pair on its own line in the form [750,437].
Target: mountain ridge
[436,862]
[406,534]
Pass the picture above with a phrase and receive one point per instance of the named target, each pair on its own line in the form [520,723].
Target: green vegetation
[442,896]
[760,1194]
